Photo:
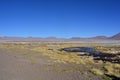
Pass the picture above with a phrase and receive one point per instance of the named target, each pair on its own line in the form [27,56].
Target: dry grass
[97,71]
[63,57]
[108,49]
[32,51]
[112,69]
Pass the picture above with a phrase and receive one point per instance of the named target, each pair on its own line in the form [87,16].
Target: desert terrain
[51,61]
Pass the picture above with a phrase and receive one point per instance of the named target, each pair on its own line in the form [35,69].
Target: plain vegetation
[100,67]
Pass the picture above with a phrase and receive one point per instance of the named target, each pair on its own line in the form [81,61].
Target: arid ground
[21,61]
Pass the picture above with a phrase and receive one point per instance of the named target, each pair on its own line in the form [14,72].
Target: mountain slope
[99,37]
[116,37]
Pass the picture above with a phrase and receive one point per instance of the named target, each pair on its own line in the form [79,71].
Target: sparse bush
[107,78]
[112,69]
[97,71]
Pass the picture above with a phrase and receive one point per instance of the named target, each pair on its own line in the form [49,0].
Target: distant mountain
[96,37]
[76,38]
[51,38]
[116,37]
[38,39]
[100,37]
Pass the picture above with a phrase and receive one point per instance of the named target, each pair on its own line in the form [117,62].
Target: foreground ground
[44,62]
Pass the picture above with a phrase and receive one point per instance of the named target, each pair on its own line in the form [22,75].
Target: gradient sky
[59,18]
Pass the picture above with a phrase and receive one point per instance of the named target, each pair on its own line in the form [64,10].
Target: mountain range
[33,39]
[117,37]
[114,37]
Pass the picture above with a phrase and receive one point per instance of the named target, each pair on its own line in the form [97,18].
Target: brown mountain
[116,37]
[99,37]
[38,39]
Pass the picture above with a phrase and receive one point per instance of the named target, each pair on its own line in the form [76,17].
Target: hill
[116,37]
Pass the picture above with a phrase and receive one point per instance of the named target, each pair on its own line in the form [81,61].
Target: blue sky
[59,18]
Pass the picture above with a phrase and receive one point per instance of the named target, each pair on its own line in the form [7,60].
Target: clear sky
[59,18]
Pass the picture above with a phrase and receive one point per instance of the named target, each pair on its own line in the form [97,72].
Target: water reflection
[82,50]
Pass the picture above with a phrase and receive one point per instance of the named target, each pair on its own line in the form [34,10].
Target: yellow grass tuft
[97,71]
[113,69]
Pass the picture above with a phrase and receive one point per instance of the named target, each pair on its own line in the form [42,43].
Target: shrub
[97,71]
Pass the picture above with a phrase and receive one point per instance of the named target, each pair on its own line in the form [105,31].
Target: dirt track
[14,67]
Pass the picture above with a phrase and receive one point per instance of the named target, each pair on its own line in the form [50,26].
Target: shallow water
[86,50]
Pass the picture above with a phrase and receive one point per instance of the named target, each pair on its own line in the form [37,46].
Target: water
[86,50]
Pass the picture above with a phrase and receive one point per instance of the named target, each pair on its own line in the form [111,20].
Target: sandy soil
[15,67]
